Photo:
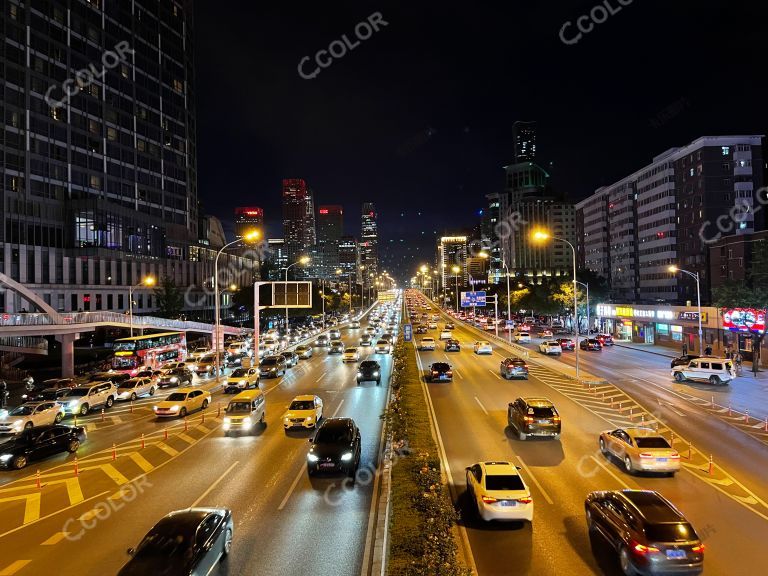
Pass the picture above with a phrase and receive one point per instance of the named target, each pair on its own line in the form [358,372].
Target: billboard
[472,299]
[292,294]
[744,320]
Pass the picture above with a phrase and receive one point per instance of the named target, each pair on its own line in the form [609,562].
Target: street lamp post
[302,260]
[586,285]
[695,276]
[541,236]
[249,237]
[148,281]
[456,271]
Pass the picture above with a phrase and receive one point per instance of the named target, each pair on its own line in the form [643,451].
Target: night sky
[418,118]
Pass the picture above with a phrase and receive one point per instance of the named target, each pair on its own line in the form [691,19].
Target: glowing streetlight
[456,270]
[695,275]
[148,282]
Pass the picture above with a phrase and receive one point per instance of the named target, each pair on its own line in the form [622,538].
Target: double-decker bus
[150,350]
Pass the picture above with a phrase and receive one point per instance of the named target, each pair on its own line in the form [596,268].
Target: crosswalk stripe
[142,462]
[55,539]
[167,449]
[11,569]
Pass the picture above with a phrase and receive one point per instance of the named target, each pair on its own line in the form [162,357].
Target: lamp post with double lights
[695,276]
[587,288]
[251,236]
[149,281]
[339,271]
[541,236]
[456,271]
[303,260]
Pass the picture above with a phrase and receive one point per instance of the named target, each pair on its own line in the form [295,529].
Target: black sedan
[440,372]
[290,357]
[452,345]
[183,543]
[421,329]
[335,448]
[590,344]
[369,370]
[683,360]
[176,377]
[40,442]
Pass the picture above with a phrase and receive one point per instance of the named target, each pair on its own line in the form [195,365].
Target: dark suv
[335,448]
[590,344]
[440,372]
[513,368]
[683,360]
[452,345]
[650,535]
[534,417]
[369,370]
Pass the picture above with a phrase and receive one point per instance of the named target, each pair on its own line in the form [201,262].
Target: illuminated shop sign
[692,316]
[744,320]
[629,312]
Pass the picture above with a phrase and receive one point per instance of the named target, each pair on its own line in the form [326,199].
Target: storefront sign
[744,320]
[692,316]
[630,312]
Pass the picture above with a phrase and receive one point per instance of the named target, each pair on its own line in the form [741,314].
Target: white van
[244,412]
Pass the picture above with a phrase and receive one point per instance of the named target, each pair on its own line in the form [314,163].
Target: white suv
[83,399]
[716,371]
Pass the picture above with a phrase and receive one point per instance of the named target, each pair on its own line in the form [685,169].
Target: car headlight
[346,457]
[6,457]
[242,382]
[175,408]
[227,420]
[18,424]
[174,379]
[247,423]
[309,419]
[375,373]
[72,403]
[286,419]
[359,373]
[154,408]
[312,458]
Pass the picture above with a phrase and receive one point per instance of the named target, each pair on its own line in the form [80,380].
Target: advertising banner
[744,320]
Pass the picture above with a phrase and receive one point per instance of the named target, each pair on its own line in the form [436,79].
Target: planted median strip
[422,521]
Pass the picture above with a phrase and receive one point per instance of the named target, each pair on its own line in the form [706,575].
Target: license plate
[509,503]
[544,422]
[661,459]
[675,554]
[327,465]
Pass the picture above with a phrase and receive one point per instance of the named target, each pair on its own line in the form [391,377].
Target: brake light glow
[528,419]
[489,499]
[556,418]
[646,455]
[450,372]
[698,549]
[675,456]
[640,549]
[434,372]
[526,500]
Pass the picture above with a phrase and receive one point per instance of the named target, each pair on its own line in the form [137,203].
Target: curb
[379,544]
[641,350]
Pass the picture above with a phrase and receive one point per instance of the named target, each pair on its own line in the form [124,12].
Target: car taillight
[528,419]
[525,365]
[450,372]
[641,549]
[489,499]
[647,455]
[698,549]
[675,456]
[526,500]
[556,418]
[434,372]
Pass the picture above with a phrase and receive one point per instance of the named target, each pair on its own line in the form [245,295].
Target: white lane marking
[338,408]
[457,374]
[494,373]
[216,483]
[302,471]
[324,374]
[535,481]
[611,472]
[481,405]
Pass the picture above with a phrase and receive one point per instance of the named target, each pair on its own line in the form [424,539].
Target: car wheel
[522,435]
[19,462]
[183,412]
[84,410]
[714,380]
[133,397]
[205,404]
[603,449]
[73,446]
[628,464]
[679,377]
[227,547]
[152,391]
[626,562]
[28,425]
[59,418]
[110,401]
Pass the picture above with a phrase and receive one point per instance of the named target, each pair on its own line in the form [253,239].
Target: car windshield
[165,542]
[175,372]
[369,364]
[271,361]
[238,407]
[440,366]
[21,411]
[128,384]
[78,392]
[351,350]
[672,532]
[333,435]
[145,374]
[240,372]
[177,397]
[302,405]
[382,342]
[541,411]
[652,442]
[504,482]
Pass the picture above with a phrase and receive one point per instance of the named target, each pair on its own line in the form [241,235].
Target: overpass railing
[75,318]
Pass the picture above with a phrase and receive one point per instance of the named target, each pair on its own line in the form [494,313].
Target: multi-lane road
[285,523]
[728,508]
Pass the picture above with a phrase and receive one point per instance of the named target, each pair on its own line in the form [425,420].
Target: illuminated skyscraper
[330,228]
[369,239]
[298,218]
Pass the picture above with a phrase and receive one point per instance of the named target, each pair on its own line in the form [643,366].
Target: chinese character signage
[744,320]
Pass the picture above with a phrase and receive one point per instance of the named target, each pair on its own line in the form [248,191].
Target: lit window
[726,150]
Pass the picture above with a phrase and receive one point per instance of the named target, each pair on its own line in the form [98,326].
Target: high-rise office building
[369,240]
[330,229]
[452,251]
[98,174]
[277,256]
[247,219]
[524,136]
[298,218]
